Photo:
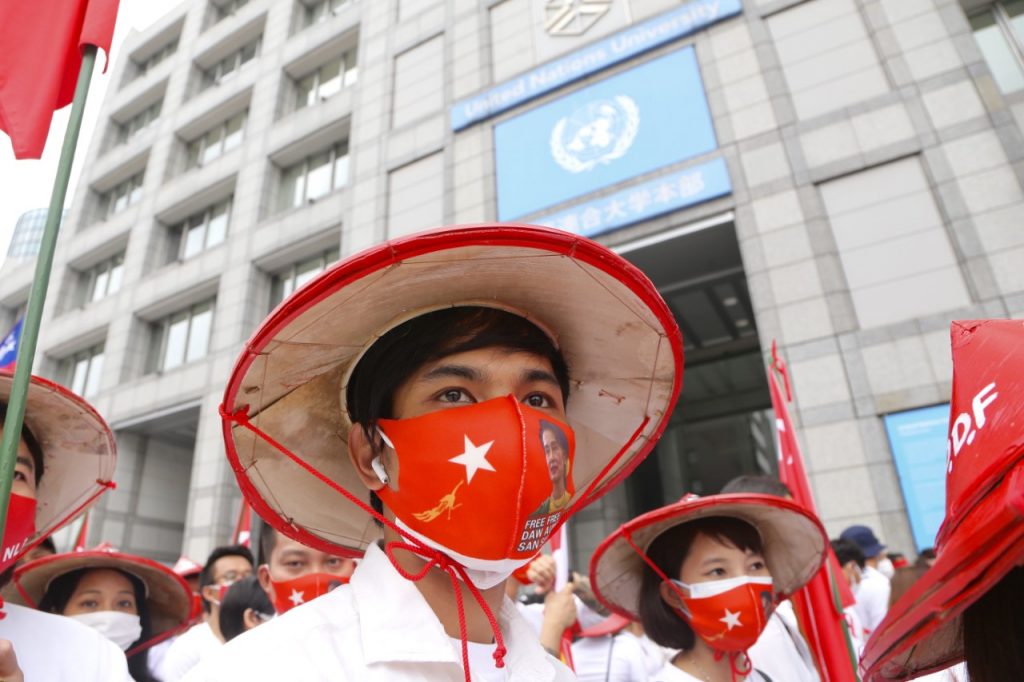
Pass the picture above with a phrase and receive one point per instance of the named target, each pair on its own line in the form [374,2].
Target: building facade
[840,176]
[28,234]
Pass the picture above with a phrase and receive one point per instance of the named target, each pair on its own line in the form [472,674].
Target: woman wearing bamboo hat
[399,396]
[65,460]
[970,604]
[132,601]
[702,576]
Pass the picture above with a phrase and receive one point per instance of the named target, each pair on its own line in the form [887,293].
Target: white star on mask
[731,619]
[297,598]
[474,458]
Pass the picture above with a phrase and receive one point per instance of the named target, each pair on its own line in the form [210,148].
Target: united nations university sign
[665,28]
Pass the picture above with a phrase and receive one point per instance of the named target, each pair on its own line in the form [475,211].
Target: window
[286,282]
[203,230]
[230,65]
[139,122]
[228,8]
[220,140]
[324,9]
[999,32]
[314,176]
[123,195]
[101,280]
[182,337]
[328,80]
[81,372]
[154,59]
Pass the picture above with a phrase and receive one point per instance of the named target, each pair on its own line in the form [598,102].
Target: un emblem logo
[597,133]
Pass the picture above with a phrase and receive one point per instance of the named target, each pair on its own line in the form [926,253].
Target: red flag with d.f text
[42,52]
[819,605]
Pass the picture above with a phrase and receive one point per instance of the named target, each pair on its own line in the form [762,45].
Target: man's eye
[126,604]
[455,395]
[757,566]
[20,475]
[538,400]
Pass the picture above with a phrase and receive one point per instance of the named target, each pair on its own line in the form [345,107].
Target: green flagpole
[40,281]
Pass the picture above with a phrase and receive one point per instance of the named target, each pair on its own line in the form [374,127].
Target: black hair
[268,541]
[758,485]
[63,587]
[993,631]
[48,544]
[668,552]
[30,442]
[245,593]
[924,556]
[399,353]
[206,576]
[847,550]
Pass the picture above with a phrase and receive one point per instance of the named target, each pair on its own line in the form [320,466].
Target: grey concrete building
[842,176]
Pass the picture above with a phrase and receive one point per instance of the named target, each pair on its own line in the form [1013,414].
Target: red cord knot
[499,656]
[106,484]
[239,416]
[3,614]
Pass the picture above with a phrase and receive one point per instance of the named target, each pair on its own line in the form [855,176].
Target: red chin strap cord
[434,557]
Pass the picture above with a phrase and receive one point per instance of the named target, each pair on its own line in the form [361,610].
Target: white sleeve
[878,605]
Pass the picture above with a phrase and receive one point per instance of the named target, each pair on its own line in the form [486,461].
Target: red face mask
[729,615]
[20,526]
[486,483]
[291,593]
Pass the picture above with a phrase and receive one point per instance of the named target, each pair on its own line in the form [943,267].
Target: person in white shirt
[703,574]
[131,600]
[223,567]
[851,562]
[872,593]
[65,459]
[435,360]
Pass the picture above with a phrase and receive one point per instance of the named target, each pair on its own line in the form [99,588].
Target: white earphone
[378,469]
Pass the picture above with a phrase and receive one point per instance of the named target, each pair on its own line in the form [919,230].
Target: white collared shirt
[781,650]
[378,628]
[54,648]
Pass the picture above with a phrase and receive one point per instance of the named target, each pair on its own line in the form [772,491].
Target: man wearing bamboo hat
[65,460]
[418,373]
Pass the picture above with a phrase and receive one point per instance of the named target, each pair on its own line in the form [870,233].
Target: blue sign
[918,440]
[689,18]
[668,193]
[640,120]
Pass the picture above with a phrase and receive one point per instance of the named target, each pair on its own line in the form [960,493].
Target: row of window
[178,339]
[320,85]
[313,12]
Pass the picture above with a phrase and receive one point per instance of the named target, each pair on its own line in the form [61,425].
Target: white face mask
[120,628]
[886,568]
[713,588]
[483,573]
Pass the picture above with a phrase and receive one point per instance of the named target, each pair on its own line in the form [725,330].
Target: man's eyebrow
[454,372]
[294,552]
[26,462]
[530,376]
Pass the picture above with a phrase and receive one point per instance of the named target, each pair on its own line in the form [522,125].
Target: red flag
[39,63]
[243,529]
[83,533]
[819,606]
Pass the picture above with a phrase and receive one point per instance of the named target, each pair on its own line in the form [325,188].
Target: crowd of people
[429,414]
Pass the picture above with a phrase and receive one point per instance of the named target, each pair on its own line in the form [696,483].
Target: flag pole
[40,281]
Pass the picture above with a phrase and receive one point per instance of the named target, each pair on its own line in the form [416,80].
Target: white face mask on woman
[120,628]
